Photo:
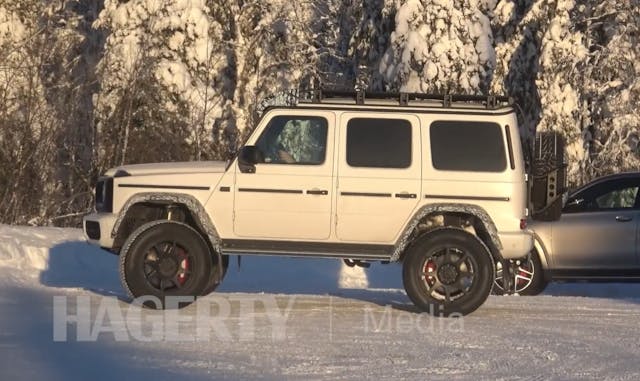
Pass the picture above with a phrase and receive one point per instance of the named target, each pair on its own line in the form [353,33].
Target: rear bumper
[97,229]
[516,244]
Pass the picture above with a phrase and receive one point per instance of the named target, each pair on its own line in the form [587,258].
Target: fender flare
[426,210]
[195,207]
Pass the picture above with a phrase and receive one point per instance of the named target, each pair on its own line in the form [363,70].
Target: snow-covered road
[280,318]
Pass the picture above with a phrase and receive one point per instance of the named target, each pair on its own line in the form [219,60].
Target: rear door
[379,175]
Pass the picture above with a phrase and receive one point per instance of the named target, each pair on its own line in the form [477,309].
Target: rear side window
[467,146]
[379,143]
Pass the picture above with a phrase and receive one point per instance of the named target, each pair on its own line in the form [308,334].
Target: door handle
[623,218]
[318,192]
[406,195]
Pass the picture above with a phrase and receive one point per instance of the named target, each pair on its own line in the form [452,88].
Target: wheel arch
[453,215]
[541,251]
[160,206]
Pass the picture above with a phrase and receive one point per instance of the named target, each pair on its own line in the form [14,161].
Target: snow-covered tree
[28,132]
[540,59]
[156,80]
[517,49]
[440,46]
[269,46]
[355,37]
[559,82]
[611,84]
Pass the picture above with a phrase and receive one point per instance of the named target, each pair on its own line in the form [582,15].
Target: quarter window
[379,143]
[467,146]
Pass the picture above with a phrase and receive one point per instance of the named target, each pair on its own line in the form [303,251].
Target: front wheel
[164,259]
[448,272]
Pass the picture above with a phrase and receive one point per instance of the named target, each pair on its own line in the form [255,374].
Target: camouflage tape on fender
[194,206]
[426,210]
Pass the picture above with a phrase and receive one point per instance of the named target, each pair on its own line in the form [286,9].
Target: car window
[617,199]
[608,195]
[379,143]
[467,146]
[294,140]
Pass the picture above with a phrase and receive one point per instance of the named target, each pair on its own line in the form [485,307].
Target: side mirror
[248,157]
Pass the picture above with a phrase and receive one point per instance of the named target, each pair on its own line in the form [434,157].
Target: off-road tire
[214,282]
[140,244]
[433,245]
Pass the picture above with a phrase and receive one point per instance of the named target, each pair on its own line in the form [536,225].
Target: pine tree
[440,46]
[540,60]
[158,75]
[562,56]
[517,51]
[358,34]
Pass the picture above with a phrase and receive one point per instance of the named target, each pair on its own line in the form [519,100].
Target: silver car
[596,238]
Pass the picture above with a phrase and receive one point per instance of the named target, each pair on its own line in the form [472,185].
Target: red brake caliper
[184,265]
[429,272]
[524,275]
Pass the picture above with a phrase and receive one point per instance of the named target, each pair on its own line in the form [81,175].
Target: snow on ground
[281,318]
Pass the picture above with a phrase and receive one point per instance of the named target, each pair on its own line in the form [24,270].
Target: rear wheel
[164,259]
[448,272]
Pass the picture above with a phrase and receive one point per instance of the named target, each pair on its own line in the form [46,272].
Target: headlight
[104,194]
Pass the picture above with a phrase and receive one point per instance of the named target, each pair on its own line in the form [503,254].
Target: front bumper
[515,244]
[97,229]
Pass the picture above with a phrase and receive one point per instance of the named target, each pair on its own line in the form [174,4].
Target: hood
[169,168]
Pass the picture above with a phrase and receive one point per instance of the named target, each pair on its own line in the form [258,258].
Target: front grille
[104,194]
[92,228]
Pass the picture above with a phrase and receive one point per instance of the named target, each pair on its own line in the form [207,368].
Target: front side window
[379,143]
[611,195]
[294,140]
[467,146]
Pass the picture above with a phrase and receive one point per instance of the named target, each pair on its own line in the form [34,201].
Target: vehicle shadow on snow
[77,264]
[379,284]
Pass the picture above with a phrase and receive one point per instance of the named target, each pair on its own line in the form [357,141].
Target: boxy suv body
[438,184]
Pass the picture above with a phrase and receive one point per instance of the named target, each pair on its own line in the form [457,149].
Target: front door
[289,195]
[598,228]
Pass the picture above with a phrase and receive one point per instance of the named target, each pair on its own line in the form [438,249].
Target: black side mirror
[248,157]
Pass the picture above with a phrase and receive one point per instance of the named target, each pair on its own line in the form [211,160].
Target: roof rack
[295,96]
[490,101]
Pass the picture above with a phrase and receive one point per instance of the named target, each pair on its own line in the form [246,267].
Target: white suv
[436,182]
